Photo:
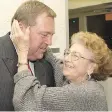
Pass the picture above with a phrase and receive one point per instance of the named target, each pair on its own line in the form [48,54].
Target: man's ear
[22,27]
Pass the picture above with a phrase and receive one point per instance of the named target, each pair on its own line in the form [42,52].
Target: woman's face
[77,62]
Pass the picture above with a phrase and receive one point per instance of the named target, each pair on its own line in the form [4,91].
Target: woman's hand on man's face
[20,39]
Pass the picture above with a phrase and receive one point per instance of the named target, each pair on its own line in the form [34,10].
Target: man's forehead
[44,18]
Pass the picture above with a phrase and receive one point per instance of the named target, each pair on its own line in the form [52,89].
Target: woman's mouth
[69,66]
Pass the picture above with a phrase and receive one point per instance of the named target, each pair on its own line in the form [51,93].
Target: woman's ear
[91,68]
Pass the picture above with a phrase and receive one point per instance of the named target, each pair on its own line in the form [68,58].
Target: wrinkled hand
[20,39]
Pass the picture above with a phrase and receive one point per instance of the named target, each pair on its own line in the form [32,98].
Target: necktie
[29,68]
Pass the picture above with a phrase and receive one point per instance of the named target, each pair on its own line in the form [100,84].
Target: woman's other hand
[21,43]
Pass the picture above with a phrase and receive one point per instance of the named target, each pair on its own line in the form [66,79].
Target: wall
[7,9]
[72,4]
[60,39]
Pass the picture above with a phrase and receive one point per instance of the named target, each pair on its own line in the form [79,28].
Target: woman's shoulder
[94,89]
[95,85]
[91,87]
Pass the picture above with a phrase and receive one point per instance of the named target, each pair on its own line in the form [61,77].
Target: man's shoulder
[5,45]
[4,38]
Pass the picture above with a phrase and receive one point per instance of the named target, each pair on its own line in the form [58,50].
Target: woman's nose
[68,58]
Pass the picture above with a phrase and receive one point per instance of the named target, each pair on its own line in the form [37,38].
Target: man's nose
[48,40]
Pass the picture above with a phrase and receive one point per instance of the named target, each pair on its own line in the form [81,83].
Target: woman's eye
[74,55]
[66,53]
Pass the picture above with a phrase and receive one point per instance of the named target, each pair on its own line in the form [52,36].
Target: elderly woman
[86,62]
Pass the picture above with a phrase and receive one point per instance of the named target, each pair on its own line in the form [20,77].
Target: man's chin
[40,56]
[34,58]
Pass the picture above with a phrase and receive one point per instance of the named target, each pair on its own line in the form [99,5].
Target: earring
[88,76]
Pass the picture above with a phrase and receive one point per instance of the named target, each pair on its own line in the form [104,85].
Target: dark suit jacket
[8,68]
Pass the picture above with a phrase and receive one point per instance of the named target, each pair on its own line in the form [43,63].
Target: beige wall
[72,4]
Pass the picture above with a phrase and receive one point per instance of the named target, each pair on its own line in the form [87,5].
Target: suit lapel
[11,66]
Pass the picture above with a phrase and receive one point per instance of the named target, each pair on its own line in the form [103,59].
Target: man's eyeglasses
[75,55]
